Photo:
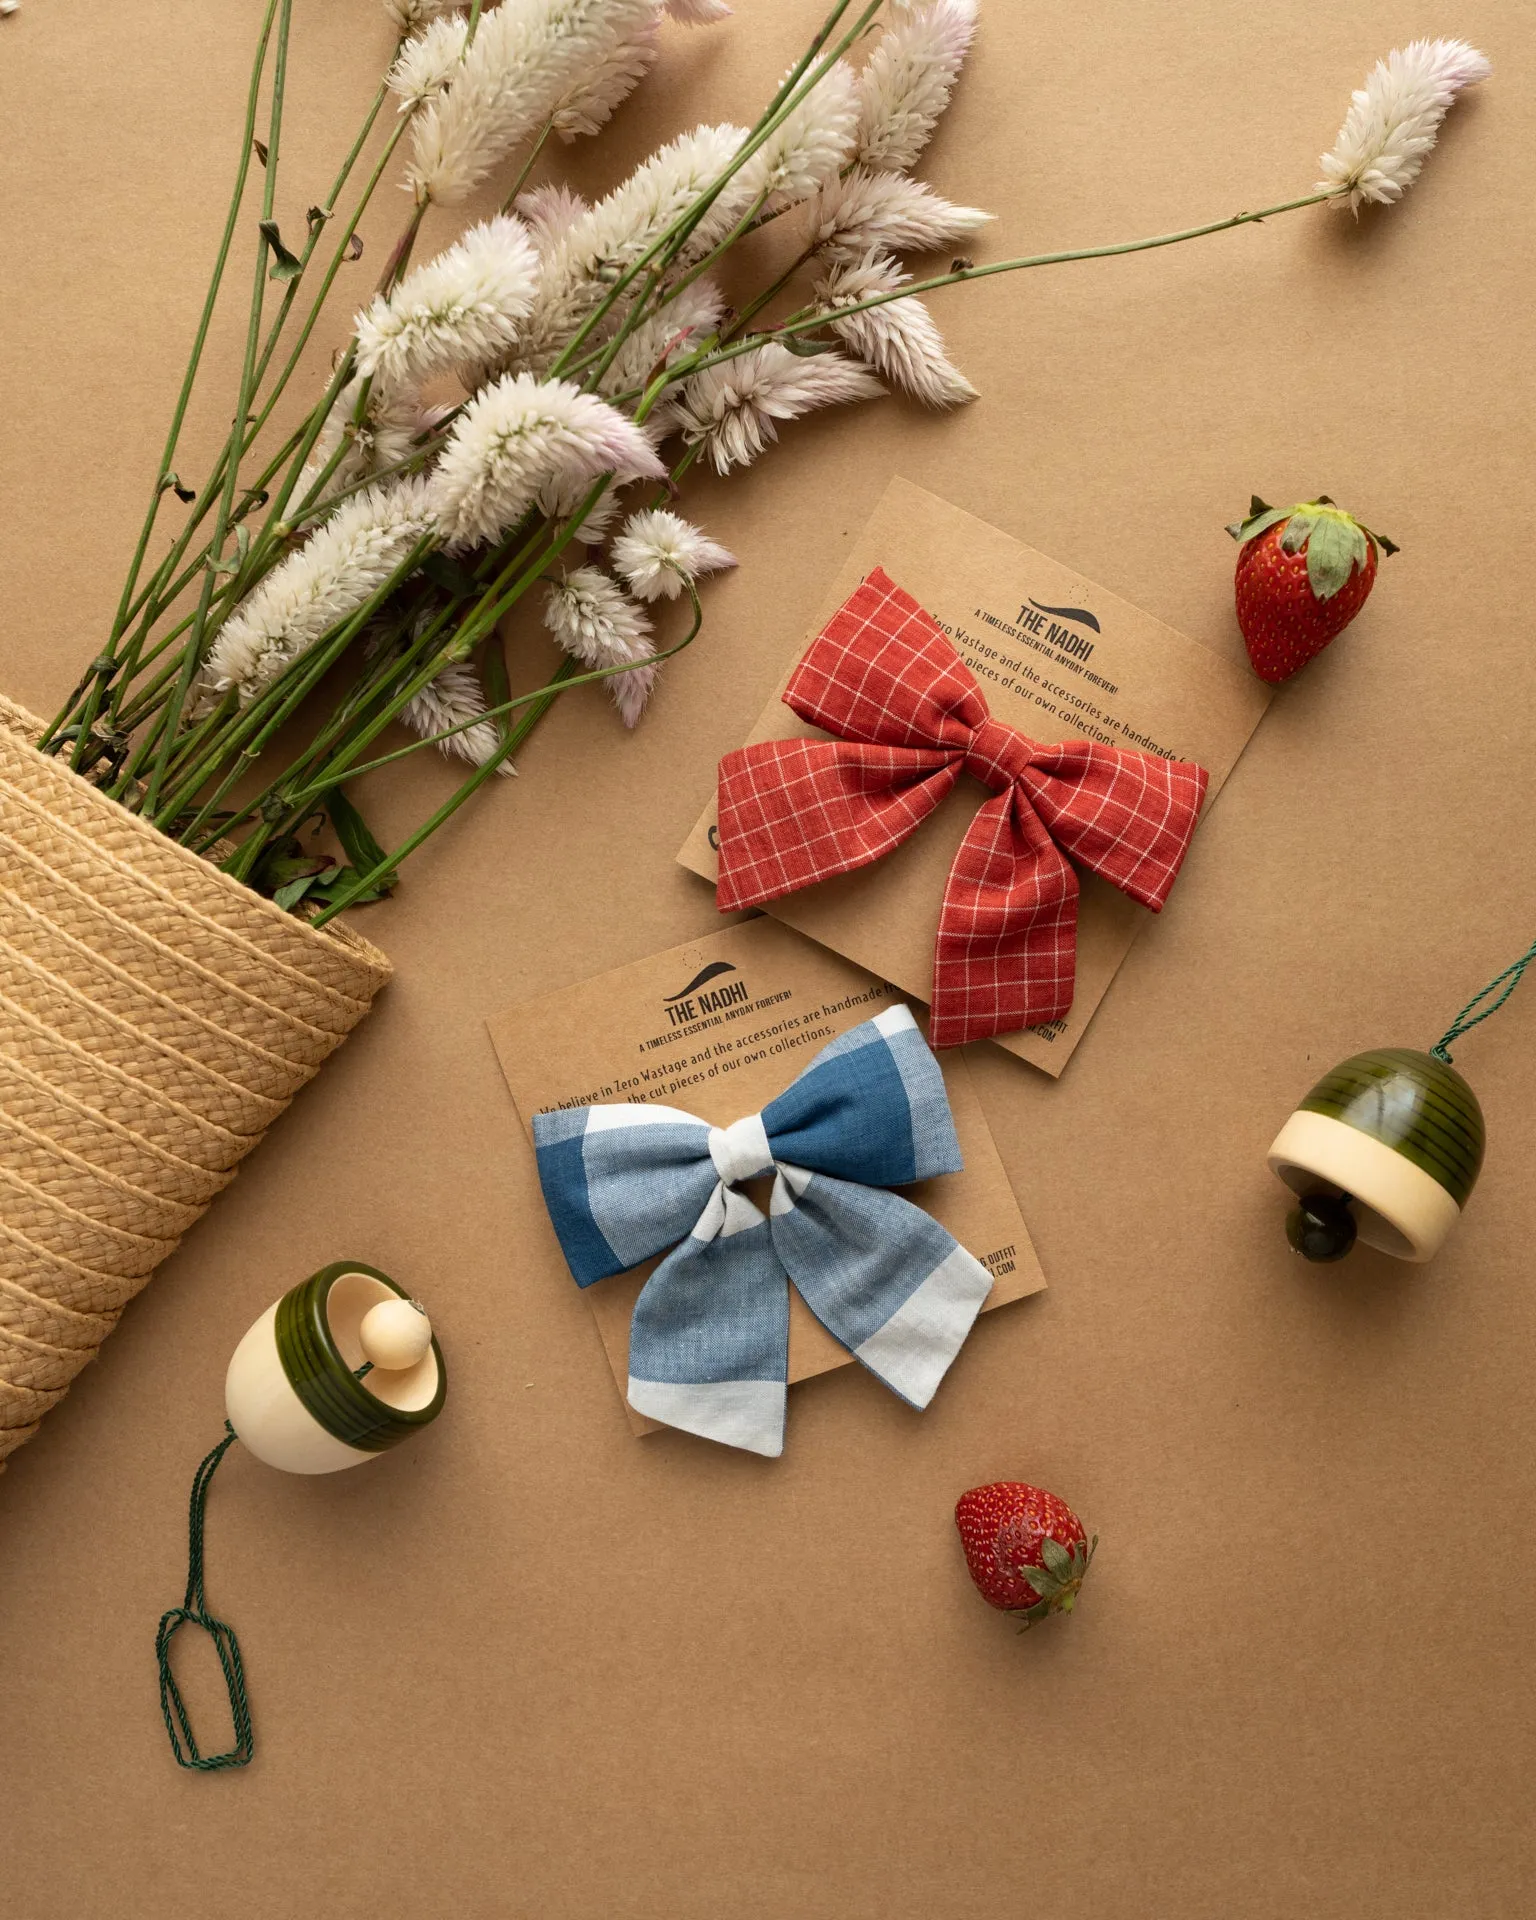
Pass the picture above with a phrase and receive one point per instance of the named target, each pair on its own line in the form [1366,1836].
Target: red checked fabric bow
[909,719]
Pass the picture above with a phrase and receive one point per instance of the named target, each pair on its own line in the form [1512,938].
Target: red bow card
[957,828]
[907,719]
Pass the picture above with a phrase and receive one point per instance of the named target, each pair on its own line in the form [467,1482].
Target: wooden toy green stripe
[321,1377]
[1413,1103]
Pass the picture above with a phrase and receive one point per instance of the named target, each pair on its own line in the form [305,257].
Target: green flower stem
[166,596]
[317,228]
[94,685]
[807,322]
[527,167]
[193,651]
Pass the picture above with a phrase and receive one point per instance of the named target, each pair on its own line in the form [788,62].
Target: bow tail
[1006,951]
[709,1341]
[792,812]
[883,1277]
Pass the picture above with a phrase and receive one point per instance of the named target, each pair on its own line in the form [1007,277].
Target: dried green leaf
[285,265]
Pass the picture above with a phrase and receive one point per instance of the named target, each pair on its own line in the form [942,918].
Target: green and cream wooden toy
[1387,1148]
[342,1368]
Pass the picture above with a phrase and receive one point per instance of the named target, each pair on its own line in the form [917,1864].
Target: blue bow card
[709,1341]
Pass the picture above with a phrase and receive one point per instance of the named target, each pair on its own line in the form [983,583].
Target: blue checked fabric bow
[709,1343]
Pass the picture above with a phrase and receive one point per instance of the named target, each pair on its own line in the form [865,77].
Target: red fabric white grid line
[909,719]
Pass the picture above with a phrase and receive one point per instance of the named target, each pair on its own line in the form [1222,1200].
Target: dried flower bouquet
[587,352]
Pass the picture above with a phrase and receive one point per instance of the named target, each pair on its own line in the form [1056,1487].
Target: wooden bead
[395,1334]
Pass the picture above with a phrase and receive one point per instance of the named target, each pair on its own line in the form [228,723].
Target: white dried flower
[428,61]
[581,261]
[698,13]
[899,338]
[731,409]
[515,435]
[341,565]
[865,211]
[525,57]
[1395,117]
[598,624]
[672,330]
[606,85]
[408,15]
[803,154]
[463,308]
[448,701]
[908,79]
[659,553]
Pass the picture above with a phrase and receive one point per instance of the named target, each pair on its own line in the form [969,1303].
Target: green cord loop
[1463,1024]
[194,1609]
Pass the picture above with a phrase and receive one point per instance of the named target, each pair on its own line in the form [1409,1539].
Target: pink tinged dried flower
[808,149]
[908,79]
[427,63]
[603,89]
[448,701]
[562,499]
[461,309]
[697,13]
[898,338]
[673,330]
[597,623]
[1394,119]
[632,692]
[387,434]
[889,212]
[659,553]
[341,565]
[550,211]
[518,434]
[525,58]
[731,409]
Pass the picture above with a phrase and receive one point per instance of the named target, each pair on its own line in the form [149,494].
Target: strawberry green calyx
[1056,1581]
[1334,541]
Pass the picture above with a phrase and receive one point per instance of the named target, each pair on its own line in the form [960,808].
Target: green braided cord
[194,1608]
[1463,1024]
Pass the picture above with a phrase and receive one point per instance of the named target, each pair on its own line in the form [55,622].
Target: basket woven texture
[155,1019]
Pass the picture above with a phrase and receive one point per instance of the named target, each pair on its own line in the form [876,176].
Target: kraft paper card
[719,1027]
[1057,657]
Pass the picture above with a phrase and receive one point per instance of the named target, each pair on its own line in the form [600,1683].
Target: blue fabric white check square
[709,1342]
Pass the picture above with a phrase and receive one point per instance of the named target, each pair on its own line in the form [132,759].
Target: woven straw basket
[155,1019]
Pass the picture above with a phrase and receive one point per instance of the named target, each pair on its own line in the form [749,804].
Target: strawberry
[1026,1549]
[1302,576]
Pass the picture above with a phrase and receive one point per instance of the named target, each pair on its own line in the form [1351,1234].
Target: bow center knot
[997,755]
[741,1150]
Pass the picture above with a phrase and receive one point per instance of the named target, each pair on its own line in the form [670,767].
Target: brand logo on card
[1037,618]
[699,997]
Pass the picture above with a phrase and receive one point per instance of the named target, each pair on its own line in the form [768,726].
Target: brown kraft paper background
[524,1668]
[1133,682]
[616,1032]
